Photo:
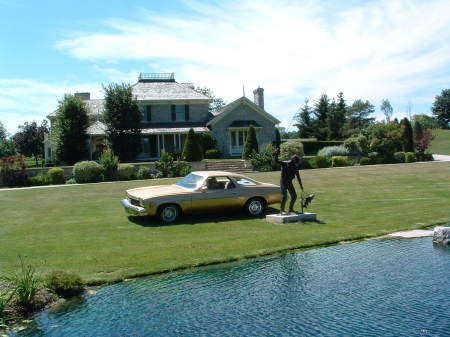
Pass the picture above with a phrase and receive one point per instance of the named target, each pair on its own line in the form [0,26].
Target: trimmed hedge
[212,154]
[399,157]
[311,147]
[87,172]
[339,161]
[320,162]
[365,161]
[56,176]
[410,157]
[125,172]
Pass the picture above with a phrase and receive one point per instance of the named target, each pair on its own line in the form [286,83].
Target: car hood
[144,193]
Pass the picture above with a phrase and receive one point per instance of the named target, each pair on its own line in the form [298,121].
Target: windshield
[191,181]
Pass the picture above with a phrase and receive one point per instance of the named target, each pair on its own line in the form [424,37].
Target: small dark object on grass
[64,284]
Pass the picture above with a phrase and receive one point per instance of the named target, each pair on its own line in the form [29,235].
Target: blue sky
[399,50]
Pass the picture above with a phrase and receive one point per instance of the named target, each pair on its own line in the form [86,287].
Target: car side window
[219,183]
[245,182]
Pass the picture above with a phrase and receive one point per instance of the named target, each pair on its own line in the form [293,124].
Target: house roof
[227,109]
[96,129]
[166,91]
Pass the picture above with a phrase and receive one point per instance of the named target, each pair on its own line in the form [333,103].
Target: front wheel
[168,213]
[255,206]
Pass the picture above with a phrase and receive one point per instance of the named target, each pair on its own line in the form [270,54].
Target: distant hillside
[441,142]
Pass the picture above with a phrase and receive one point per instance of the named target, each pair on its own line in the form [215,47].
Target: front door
[237,141]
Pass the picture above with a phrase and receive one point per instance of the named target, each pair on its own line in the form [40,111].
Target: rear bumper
[131,209]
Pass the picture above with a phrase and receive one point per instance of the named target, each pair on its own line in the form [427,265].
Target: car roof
[217,173]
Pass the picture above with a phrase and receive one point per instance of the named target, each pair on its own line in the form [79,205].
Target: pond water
[391,287]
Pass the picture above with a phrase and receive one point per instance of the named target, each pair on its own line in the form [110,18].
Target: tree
[358,117]
[304,121]
[407,135]
[251,143]
[217,102]
[3,132]
[7,148]
[441,109]
[427,122]
[70,130]
[321,111]
[386,107]
[192,150]
[277,141]
[123,120]
[418,131]
[336,117]
[30,139]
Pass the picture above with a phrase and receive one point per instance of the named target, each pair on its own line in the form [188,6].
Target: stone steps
[230,166]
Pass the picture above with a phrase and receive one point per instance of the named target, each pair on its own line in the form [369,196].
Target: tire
[168,213]
[255,206]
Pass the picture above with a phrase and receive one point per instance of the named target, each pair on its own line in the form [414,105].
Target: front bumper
[131,209]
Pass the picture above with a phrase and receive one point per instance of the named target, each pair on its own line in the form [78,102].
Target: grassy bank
[441,142]
[83,229]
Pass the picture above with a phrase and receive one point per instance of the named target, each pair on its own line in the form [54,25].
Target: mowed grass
[83,229]
[441,142]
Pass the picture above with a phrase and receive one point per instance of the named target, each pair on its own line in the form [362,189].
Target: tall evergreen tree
[336,117]
[251,143]
[192,150]
[70,130]
[30,139]
[386,107]
[407,135]
[304,123]
[3,132]
[123,120]
[358,117]
[277,141]
[321,111]
[441,109]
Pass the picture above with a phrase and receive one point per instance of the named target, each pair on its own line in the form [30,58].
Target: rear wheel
[255,206]
[168,213]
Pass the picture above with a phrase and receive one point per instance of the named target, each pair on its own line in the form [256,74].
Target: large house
[169,109]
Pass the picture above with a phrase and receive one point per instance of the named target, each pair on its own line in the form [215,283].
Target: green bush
[424,157]
[143,173]
[291,147]
[125,172]
[267,160]
[41,179]
[212,154]
[64,284]
[339,161]
[192,150]
[87,172]
[320,162]
[251,144]
[167,167]
[56,176]
[176,155]
[311,147]
[357,145]
[330,151]
[110,164]
[399,157]
[305,164]
[181,168]
[410,157]
[375,158]
[365,161]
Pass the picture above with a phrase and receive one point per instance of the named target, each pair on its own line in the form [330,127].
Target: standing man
[289,170]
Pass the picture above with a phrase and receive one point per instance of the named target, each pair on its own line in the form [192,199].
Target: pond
[385,287]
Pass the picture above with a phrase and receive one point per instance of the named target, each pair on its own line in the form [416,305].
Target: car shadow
[192,219]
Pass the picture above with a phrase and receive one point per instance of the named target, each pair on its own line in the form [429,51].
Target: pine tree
[192,150]
[441,109]
[321,111]
[123,121]
[70,130]
[304,122]
[358,117]
[407,135]
[251,143]
[277,141]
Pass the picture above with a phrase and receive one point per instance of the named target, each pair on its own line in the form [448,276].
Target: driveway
[441,157]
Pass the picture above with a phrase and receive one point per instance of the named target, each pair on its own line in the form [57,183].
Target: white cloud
[26,100]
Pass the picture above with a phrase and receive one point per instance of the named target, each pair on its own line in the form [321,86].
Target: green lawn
[83,229]
[441,142]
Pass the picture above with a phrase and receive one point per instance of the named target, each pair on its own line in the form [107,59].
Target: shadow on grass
[192,219]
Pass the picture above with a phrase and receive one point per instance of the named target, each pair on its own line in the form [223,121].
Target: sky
[295,50]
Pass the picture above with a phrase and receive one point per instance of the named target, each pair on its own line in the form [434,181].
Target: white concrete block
[281,219]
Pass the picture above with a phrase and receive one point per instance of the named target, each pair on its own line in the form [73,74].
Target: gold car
[202,191]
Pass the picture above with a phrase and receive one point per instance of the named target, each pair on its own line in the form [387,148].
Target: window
[179,113]
[219,183]
[147,113]
[245,182]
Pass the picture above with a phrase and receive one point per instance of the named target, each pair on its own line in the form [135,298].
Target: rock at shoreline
[442,235]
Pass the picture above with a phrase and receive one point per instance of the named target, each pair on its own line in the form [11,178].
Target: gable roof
[162,91]
[226,110]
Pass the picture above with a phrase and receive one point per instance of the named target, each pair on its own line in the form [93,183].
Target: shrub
[357,145]
[399,157]
[167,167]
[424,157]
[176,155]
[251,144]
[64,284]
[206,141]
[339,161]
[410,157]
[87,172]
[180,168]
[331,151]
[291,147]
[375,158]
[13,171]
[192,150]
[41,179]
[311,147]
[320,162]
[110,164]
[267,160]
[143,173]
[25,284]
[125,172]
[56,176]
[305,164]
[212,154]
[365,161]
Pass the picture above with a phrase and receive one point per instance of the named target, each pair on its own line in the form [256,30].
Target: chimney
[84,96]
[259,97]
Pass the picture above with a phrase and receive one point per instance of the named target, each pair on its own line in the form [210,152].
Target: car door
[217,193]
